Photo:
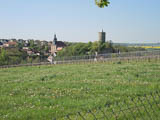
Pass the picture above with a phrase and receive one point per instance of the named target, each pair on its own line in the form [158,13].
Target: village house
[44,43]
[29,52]
[37,42]
[4,40]
[25,48]
[10,44]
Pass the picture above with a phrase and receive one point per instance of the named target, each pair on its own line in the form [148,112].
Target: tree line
[91,48]
[18,56]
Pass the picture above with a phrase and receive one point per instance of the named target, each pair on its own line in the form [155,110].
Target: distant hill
[137,44]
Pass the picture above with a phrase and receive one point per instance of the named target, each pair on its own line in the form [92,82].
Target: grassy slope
[48,91]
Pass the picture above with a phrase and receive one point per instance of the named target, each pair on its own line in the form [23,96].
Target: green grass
[45,92]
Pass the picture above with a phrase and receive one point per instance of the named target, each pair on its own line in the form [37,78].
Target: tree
[46,49]
[31,44]
[95,47]
[109,44]
[3,57]
[102,3]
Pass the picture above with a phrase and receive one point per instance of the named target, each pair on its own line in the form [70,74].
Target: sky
[124,21]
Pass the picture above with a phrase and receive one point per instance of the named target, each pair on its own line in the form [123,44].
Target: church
[56,45]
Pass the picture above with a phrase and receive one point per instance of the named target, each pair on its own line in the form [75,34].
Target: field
[149,47]
[154,47]
[45,92]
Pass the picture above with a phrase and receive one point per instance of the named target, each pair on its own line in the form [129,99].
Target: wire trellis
[146,107]
[110,57]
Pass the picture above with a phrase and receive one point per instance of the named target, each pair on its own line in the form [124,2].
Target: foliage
[20,46]
[75,49]
[38,48]
[46,49]
[78,49]
[127,49]
[102,3]
[31,44]
[12,56]
[3,57]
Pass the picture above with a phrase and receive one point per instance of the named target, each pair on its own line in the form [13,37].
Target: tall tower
[54,45]
[102,36]
[55,39]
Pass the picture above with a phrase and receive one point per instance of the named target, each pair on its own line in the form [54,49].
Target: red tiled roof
[12,43]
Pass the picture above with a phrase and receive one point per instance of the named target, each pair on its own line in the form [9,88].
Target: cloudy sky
[133,21]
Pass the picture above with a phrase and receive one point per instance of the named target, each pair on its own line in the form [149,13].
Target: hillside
[44,92]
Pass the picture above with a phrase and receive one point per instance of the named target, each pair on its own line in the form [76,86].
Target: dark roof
[60,44]
[1,43]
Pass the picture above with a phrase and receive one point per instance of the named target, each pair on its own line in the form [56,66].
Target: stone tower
[102,36]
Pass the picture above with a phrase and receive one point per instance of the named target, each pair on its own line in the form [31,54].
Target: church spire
[55,39]
[55,36]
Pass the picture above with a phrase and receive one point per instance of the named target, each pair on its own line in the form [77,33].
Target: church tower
[55,39]
[102,36]
[54,45]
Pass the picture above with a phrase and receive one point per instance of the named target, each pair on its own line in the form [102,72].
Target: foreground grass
[53,91]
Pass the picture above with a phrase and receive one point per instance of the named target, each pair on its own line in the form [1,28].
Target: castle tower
[102,36]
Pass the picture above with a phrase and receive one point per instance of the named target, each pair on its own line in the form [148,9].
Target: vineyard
[53,91]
